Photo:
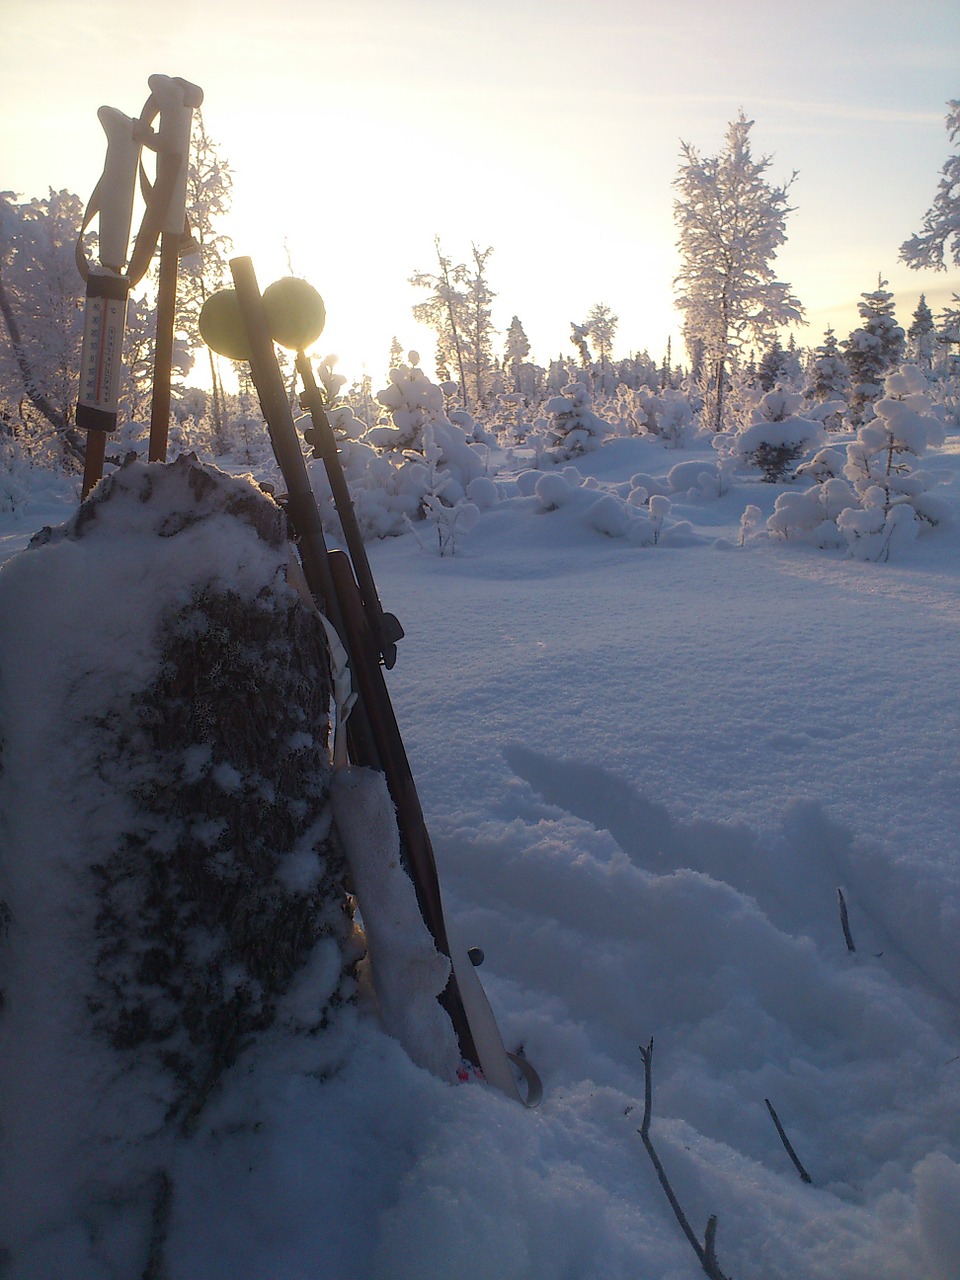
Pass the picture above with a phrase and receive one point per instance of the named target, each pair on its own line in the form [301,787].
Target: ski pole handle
[116,187]
[105,305]
[176,99]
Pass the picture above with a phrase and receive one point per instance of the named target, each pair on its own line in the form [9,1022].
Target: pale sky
[550,129]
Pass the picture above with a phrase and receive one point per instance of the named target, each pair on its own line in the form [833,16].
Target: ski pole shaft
[385,627]
[163,351]
[272,394]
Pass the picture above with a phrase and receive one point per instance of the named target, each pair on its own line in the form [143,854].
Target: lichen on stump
[208,909]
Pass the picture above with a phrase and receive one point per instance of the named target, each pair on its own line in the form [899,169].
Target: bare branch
[706,1252]
[845,921]
[804,1176]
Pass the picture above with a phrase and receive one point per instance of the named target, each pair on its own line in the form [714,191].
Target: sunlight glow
[550,133]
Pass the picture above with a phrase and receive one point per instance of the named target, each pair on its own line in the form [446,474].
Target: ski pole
[296,315]
[176,99]
[108,285]
[385,628]
[107,291]
[332,583]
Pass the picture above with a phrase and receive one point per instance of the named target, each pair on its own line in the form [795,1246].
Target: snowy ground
[647,772]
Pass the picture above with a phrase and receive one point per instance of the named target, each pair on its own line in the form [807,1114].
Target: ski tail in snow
[373,736]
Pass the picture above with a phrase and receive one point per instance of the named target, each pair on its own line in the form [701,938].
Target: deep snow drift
[647,770]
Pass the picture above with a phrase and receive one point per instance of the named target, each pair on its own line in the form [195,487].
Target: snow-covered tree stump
[171,883]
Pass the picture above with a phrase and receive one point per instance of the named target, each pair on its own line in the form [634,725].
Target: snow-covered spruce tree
[776,436]
[829,373]
[779,365]
[515,352]
[872,350]
[180,910]
[572,427]
[772,368]
[940,236]
[922,336]
[731,222]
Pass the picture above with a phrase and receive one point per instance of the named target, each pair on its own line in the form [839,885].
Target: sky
[550,131]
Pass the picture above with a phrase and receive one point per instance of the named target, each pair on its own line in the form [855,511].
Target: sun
[322,211]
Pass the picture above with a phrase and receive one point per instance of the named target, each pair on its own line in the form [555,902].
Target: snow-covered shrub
[654,528]
[344,422]
[572,427]
[649,484]
[483,493]
[412,401]
[526,482]
[749,520]
[776,436]
[880,501]
[829,414]
[701,479]
[510,420]
[390,485]
[608,516]
[553,490]
[824,465]
[873,532]
[666,414]
[444,508]
[446,523]
[811,516]
[659,510]
[462,460]
[887,447]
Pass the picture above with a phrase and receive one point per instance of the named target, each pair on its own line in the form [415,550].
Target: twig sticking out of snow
[788,1146]
[155,1268]
[706,1252]
[845,922]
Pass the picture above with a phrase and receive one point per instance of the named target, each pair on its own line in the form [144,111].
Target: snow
[647,769]
[408,972]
